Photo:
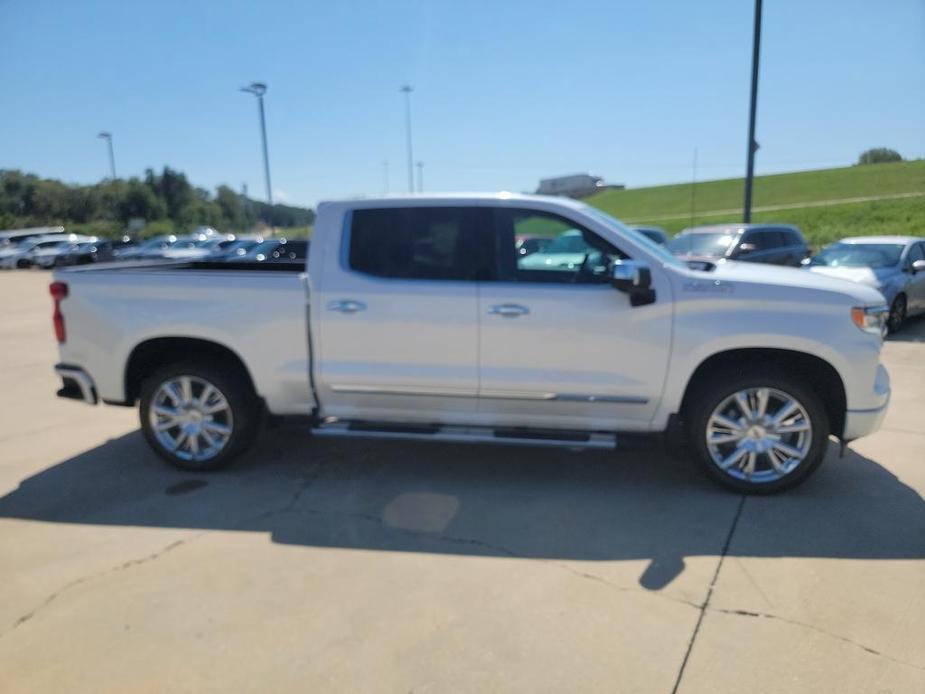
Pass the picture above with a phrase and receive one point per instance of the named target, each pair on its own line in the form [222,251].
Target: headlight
[870,319]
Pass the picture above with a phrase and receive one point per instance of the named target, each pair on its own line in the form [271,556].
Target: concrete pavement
[355,566]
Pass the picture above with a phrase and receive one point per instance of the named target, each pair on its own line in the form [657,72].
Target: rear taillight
[58,291]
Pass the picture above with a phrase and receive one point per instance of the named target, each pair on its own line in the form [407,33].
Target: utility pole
[420,177]
[258,89]
[693,186]
[245,206]
[753,102]
[105,135]
[406,90]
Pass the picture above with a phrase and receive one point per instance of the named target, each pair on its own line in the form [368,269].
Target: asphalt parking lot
[355,566]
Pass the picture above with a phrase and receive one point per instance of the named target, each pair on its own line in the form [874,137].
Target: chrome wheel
[759,435]
[190,418]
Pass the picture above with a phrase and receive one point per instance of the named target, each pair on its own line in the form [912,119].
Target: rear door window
[422,243]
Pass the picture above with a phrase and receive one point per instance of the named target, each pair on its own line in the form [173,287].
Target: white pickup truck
[419,318]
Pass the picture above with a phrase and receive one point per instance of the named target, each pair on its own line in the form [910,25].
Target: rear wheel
[198,417]
[758,434]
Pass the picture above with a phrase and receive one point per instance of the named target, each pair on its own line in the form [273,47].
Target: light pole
[420,177]
[258,89]
[753,102]
[105,135]
[406,90]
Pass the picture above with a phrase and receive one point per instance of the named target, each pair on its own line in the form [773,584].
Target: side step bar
[457,434]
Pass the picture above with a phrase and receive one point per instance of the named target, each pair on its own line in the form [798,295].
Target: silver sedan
[894,265]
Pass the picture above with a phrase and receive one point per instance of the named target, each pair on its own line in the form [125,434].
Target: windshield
[712,245]
[641,239]
[874,255]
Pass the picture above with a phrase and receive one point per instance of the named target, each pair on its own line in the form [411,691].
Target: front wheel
[758,434]
[897,315]
[198,417]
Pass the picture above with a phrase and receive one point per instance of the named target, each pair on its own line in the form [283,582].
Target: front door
[559,347]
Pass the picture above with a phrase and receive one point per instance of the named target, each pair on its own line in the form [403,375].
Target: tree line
[166,201]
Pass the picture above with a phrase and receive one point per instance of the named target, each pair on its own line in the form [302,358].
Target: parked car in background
[531,244]
[275,250]
[776,244]
[893,265]
[193,248]
[654,234]
[237,248]
[98,251]
[149,249]
[20,255]
[53,255]
[568,250]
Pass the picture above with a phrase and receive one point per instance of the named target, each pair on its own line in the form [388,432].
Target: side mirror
[918,266]
[745,248]
[633,278]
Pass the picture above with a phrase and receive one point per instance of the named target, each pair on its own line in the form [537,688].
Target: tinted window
[917,252]
[425,243]
[572,254]
[764,240]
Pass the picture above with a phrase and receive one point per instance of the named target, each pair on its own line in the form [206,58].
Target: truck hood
[794,277]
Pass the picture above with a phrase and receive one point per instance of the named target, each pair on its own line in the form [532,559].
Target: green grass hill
[827,204]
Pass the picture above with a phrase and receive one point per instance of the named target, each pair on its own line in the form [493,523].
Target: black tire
[243,416]
[716,390]
[897,314]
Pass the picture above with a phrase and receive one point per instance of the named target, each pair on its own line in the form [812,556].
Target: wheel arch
[824,377]
[150,355]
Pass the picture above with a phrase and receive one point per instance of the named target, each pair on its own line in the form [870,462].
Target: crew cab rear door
[396,316]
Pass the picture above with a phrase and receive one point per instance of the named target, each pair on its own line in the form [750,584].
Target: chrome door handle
[509,310]
[346,306]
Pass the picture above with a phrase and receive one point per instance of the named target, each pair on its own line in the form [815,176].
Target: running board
[458,434]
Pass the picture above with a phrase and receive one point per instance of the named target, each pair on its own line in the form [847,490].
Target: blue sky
[505,92]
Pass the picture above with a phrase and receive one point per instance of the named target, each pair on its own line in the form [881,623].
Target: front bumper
[860,423]
[76,384]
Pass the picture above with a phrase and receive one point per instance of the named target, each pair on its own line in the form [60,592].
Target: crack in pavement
[819,630]
[706,603]
[99,574]
[306,482]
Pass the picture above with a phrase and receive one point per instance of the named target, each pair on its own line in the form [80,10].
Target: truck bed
[258,309]
[210,265]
